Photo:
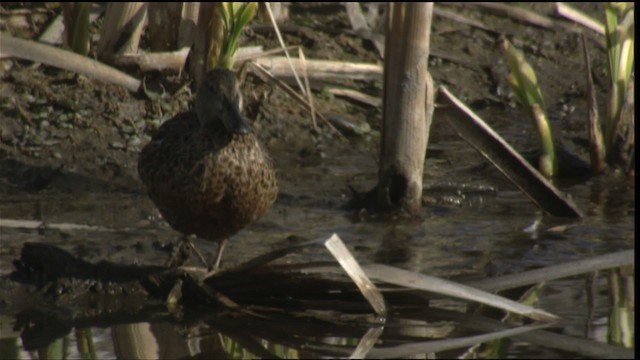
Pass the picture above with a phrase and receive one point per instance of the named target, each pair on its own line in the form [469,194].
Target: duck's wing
[169,142]
[180,126]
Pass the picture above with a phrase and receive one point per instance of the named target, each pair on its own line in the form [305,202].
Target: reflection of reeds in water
[621,329]
[311,309]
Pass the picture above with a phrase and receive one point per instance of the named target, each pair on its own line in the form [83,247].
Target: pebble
[135,141]
[117,145]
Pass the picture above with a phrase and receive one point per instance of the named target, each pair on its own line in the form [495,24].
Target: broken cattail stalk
[121,19]
[355,272]
[322,69]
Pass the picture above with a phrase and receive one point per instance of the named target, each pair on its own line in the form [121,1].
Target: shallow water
[467,234]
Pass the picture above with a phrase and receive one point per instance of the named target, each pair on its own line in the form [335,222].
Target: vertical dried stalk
[280,11]
[188,24]
[405,125]
[163,24]
[208,40]
[122,29]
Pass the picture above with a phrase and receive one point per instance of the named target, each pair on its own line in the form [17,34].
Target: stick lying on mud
[32,224]
[322,69]
[50,55]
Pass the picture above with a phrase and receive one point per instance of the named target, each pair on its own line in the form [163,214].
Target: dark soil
[68,125]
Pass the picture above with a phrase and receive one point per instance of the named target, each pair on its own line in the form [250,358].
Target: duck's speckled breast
[207,183]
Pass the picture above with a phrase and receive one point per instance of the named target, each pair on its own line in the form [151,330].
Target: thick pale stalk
[122,29]
[54,56]
[405,126]
[208,40]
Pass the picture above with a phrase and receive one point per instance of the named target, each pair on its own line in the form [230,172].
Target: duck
[205,170]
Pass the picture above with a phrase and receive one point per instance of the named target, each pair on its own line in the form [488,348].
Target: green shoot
[620,37]
[76,20]
[235,16]
[524,84]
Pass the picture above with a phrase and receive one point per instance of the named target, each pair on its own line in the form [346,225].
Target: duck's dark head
[218,102]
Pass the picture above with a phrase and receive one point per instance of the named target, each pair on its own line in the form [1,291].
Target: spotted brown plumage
[205,170]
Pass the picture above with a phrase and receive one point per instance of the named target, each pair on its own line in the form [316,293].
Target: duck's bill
[234,121]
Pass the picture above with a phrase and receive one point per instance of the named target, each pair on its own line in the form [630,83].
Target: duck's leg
[181,254]
[221,245]
[195,250]
[216,265]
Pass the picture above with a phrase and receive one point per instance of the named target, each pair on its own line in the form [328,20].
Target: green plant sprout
[620,38]
[76,20]
[524,84]
[235,16]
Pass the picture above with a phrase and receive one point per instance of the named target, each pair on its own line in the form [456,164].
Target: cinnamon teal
[205,170]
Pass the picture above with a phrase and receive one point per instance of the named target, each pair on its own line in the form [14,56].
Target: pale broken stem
[33,224]
[367,342]
[281,40]
[530,277]
[268,77]
[157,61]
[579,17]
[517,13]
[322,69]
[46,54]
[461,19]
[357,96]
[248,53]
[445,287]
[355,272]
[303,62]
[356,17]
[554,272]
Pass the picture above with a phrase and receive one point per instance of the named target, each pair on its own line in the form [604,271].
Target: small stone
[117,145]
[135,141]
